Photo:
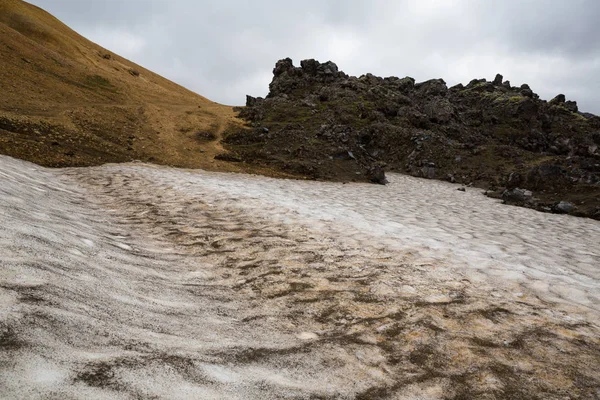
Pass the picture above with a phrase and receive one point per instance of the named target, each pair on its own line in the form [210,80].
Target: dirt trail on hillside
[137,281]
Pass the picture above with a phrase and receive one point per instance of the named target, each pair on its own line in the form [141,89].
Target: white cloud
[228,49]
[119,41]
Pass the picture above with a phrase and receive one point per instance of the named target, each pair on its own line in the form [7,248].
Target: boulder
[527,92]
[253,101]
[527,109]
[517,195]
[564,207]
[559,99]
[432,87]
[283,66]
[571,106]
[547,177]
[439,110]
[310,66]
[328,68]
[428,171]
[376,174]
[475,82]
[406,84]
[514,180]
[498,80]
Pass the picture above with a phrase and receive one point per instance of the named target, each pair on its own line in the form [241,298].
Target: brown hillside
[68,102]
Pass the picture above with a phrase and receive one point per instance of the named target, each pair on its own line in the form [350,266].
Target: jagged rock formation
[319,122]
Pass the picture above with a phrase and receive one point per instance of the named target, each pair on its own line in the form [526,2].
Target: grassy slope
[68,102]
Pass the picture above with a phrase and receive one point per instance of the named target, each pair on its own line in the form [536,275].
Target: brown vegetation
[68,102]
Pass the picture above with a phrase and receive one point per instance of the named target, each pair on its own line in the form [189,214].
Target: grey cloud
[568,27]
[224,50]
[110,13]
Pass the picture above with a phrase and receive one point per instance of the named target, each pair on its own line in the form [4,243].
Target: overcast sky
[227,49]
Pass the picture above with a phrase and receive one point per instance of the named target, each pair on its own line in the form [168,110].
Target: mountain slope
[68,102]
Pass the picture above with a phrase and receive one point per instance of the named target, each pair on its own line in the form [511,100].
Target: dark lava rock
[432,87]
[514,180]
[559,99]
[527,93]
[377,175]
[549,177]
[517,195]
[283,66]
[564,207]
[571,106]
[428,171]
[498,80]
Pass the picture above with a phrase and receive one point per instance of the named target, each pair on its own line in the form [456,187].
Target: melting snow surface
[127,281]
[554,254]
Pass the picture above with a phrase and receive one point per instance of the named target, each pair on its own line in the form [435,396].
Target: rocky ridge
[321,123]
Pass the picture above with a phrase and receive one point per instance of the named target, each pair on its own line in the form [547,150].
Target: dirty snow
[558,256]
[127,281]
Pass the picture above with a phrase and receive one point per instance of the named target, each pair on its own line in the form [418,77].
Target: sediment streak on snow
[133,280]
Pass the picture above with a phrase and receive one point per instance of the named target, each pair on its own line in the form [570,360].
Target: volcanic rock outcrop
[321,123]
